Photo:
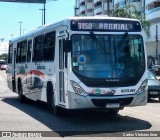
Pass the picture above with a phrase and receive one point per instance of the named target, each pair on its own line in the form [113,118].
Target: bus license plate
[153,92]
[113,105]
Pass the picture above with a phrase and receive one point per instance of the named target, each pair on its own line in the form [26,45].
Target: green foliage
[130,11]
[4,56]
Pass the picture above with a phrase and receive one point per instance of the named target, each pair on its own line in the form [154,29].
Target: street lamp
[44,12]
[44,9]
[76,9]
[1,39]
[156,43]
[20,22]
[42,16]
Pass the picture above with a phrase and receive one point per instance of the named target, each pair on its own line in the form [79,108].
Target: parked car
[155,69]
[153,86]
[3,67]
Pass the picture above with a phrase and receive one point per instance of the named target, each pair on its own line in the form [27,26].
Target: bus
[96,62]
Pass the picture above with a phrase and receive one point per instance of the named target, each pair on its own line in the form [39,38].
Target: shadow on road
[79,123]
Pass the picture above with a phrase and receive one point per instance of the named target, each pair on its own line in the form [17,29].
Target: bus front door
[14,71]
[62,82]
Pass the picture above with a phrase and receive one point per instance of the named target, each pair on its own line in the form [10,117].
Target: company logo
[128,90]
[6,134]
[20,134]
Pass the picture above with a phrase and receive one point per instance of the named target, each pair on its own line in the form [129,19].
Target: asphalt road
[36,116]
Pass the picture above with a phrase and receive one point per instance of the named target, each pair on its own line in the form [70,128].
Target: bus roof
[67,20]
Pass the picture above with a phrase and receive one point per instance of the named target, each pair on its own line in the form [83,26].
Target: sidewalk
[4,90]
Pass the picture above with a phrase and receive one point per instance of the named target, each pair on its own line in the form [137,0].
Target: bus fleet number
[84,25]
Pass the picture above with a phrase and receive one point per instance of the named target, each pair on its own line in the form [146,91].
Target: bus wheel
[49,93]
[113,111]
[21,97]
[57,111]
[13,86]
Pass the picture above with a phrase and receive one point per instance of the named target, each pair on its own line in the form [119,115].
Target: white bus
[81,63]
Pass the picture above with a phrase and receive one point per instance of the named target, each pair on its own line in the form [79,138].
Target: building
[148,8]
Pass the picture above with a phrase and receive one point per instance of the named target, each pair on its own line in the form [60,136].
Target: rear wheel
[159,99]
[21,97]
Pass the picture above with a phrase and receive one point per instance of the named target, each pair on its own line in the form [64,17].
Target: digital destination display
[105,25]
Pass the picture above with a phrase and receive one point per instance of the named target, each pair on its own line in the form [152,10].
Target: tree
[130,11]
[4,56]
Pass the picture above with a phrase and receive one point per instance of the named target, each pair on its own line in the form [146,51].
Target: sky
[12,13]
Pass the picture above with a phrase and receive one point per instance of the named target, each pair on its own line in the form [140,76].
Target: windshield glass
[110,57]
[151,76]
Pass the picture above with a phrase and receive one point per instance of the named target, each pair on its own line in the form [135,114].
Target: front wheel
[113,111]
[57,111]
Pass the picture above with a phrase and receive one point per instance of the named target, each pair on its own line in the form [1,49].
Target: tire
[159,99]
[113,111]
[56,110]
[21,97]
[49,93]
[13,86]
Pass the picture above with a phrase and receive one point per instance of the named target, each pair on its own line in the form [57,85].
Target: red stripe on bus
[35,72]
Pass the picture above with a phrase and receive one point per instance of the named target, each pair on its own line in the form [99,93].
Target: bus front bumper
[76,101]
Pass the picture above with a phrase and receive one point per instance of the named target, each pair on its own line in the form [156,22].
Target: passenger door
[63,73]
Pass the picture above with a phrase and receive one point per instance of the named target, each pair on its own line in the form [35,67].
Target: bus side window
[23,51]
[29,47]
[18,56]
[49,46]
[39,48]
[10,53]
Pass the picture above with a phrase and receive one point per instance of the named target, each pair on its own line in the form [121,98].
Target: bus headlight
[78,89]
[143,86]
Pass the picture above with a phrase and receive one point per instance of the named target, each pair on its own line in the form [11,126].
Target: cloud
[4,47]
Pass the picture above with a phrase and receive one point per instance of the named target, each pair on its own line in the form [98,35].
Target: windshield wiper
[124,38]
[93,36]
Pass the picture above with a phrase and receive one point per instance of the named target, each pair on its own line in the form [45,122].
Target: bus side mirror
[67,45]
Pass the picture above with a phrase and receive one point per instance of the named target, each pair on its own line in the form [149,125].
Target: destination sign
[105,25]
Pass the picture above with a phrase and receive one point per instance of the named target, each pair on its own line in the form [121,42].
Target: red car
[3,67]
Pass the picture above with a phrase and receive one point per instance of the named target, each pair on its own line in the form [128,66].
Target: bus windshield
[108,59]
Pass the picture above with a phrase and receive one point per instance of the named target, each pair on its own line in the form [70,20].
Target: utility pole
[76,9]
[20,22]
[11,36]
[23,31]
[44,10]
[157,43]
[42,16]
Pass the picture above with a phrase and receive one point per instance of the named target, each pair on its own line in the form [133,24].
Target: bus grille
[103,102]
